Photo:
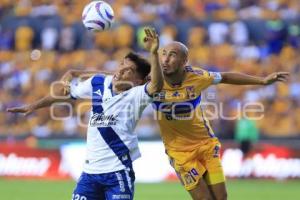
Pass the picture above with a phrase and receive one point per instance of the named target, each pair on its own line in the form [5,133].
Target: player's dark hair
[143,67]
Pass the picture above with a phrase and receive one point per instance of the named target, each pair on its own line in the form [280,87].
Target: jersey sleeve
[141,97]
[142,94]
[216,77]
[211,78]
[81,89]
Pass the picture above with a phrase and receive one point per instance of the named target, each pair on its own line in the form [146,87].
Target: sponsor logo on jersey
[190,92]
[101,120]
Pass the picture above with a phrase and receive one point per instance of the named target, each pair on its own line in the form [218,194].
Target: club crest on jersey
[176,94]
[190,91]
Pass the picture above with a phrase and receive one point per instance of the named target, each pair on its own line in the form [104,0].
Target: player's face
[171,60]
[127,73]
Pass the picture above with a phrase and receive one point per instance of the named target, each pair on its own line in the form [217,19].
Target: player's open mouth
[165,67]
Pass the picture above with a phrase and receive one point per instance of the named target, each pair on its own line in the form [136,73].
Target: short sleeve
[141,96]
[146,91]
[216,77]
[81,89]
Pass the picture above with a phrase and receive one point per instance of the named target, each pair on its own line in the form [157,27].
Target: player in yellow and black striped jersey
[189,140]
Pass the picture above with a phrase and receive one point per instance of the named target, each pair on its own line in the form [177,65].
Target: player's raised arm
[60,91]
[244,79]
[152,44]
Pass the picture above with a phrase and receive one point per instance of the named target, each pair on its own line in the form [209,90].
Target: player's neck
[176,78]
[119,88]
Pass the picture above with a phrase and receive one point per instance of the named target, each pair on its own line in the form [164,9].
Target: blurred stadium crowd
[42,39]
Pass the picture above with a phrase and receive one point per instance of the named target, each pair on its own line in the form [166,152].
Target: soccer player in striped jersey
[189,140]
[117,103]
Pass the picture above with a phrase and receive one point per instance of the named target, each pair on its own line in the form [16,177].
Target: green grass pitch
[237,190]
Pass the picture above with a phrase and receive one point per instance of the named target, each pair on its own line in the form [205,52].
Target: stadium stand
[42,39]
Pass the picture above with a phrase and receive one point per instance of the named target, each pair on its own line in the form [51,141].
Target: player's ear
[185,60]
[147,78]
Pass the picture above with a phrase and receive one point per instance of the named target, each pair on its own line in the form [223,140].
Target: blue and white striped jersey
[111,143]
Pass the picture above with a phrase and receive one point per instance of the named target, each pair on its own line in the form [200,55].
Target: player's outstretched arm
[151,43]
[58,95]
[244,79]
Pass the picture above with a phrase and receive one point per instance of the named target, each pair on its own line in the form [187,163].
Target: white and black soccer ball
[97,16]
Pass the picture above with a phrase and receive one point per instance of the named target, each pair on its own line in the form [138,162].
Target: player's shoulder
[200,76]
[195,71]
[138,88]
[100,79]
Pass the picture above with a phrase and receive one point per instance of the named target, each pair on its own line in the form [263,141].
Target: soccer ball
[97,16]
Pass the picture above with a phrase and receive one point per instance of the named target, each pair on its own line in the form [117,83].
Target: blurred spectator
[24,38]
[70,126]
[44,10]
[41,39]
[6,39]
[218,33]
[239,33]
[104,41]
[249,52]
[275,35]
[49,37]
[124,36]
[294,35]
[168,34]
[67,39]
[246,134]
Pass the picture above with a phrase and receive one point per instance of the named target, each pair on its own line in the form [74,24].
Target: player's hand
[277,76]
[67,77]
[66,88]
[26,110]
[151,41]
